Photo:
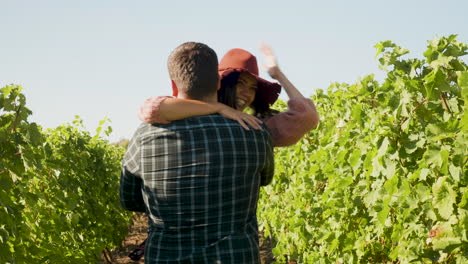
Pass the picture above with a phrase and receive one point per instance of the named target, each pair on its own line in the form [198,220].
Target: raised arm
[271,66]
[165,109]
[288,127]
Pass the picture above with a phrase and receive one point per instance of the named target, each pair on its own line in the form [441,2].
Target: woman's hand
[270,65]
[240,117]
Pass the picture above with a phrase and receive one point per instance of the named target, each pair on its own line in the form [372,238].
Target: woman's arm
[290,126]
[287,128]
[165,109]
[271,66]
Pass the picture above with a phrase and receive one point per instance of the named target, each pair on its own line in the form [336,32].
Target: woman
[242,87]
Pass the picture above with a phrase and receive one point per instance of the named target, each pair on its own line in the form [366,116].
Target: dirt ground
[138,233]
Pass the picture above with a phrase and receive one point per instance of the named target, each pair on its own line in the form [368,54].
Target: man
[198,179]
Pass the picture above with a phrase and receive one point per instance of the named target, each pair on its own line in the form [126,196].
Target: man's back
[200,178]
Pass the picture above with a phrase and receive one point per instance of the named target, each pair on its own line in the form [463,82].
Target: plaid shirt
[198,180]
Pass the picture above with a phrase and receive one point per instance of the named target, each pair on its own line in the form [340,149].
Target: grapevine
[384,177]
[59,196]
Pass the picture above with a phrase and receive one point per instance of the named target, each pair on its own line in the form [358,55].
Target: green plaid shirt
[198,180]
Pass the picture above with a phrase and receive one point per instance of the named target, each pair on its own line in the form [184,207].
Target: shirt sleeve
[287,128]
[131,183]
[149,110]
[269,169]
[131,196]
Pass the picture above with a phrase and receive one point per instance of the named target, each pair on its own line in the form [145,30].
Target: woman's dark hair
[260,107]
[227,91]
[227,95]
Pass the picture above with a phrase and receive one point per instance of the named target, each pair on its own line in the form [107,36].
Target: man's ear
[175,90]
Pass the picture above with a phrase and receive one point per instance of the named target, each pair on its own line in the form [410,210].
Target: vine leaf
[444,197]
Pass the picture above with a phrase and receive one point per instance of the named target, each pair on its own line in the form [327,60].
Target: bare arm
[175,109]
[165,110]
[271,66]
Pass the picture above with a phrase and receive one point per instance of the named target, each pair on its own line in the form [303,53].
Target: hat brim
[267,92]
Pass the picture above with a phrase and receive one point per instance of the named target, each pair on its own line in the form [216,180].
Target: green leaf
[464,200]
[383,213]
[355,159]
[462,81]
[383,147]
[444,236]
[444,156]
[434,157]
[423,174]
[444,197]
[436,82]
[382,45]
[455,172]
[391,185]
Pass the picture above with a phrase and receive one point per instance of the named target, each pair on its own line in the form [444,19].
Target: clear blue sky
[103,58]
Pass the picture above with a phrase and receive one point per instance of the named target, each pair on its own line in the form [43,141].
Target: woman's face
[246,88]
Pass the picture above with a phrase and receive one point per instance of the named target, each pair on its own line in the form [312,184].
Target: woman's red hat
[239,60]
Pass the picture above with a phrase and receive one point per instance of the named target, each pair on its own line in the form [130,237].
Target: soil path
[136,235]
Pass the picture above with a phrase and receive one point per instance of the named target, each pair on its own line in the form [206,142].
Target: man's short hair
[194,68]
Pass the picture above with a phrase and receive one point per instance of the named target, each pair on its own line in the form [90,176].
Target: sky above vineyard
[103,58]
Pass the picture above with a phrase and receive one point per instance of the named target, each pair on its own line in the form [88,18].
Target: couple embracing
[196,163]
